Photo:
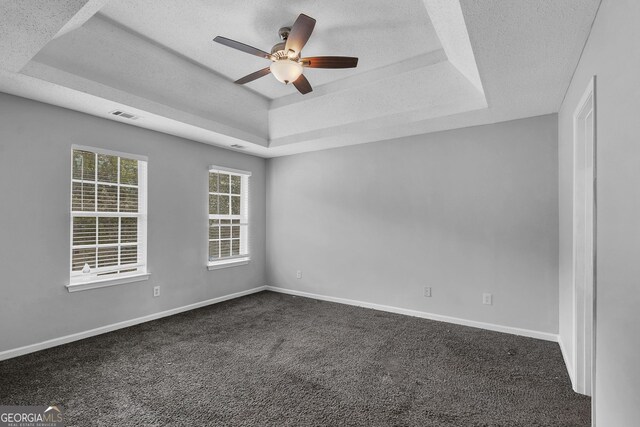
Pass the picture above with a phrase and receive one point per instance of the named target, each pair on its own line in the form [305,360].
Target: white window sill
[227,263]
[102,283]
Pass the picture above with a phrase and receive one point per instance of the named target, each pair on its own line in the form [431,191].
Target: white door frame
[584,241]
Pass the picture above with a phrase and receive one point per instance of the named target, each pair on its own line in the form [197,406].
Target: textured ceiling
[425,65]
[378,32]
[528,50]
[20,40]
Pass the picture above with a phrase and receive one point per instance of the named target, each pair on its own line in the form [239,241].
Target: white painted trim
[103,283]
[226,264]
[588,100]
[422,314]
[447,19]
[214,168]
[104,151]
[570,367]
[8,354]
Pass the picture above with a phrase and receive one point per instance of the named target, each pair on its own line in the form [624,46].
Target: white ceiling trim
[192,127]
[144,108]
[454,120]
[452,93]
[147,77]
[346,132]
[448,21]
[88,10]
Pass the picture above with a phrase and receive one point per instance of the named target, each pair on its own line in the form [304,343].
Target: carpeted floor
[276,360]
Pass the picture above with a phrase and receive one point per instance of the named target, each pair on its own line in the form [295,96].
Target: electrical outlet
[299,274]
[427,291]
[487,299]
[156,291]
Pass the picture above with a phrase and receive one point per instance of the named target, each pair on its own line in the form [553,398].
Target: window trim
[106,152]
[103,283]
[227,263]
[230,170]
[76,282]
[233,260]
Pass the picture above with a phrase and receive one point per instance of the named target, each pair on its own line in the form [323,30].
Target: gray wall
[611,53]
[466,211]
[35,144]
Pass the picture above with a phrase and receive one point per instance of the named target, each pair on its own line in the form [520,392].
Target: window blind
[108,215]
[228,214]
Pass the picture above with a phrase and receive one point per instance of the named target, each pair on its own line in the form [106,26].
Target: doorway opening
[584,245]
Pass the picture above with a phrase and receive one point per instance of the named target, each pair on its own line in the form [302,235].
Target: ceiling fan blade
[303,85]
[330,62]
[300,33]
[242,47]
[253,76]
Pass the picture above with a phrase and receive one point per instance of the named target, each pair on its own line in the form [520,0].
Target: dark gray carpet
[276,360]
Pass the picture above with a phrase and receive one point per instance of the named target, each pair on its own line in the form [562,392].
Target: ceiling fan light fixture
[287,63]
[286,70]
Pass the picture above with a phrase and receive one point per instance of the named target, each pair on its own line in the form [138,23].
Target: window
[228,217]
[108,217]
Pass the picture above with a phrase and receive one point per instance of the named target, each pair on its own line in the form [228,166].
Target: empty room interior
[320,213]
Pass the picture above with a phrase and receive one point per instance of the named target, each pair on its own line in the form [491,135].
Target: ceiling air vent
[238,146]
[124,115]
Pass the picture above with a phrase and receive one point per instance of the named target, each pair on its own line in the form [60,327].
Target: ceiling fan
[287,65]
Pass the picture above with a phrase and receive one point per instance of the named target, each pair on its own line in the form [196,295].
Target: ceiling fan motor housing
[284,33]
[278,50]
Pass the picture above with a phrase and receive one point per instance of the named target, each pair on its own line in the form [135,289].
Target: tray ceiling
[425,65]
[378,32]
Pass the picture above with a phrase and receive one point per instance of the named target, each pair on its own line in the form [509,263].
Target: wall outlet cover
[487,299]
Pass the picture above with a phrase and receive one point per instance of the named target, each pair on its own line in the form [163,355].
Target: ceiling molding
[87,12]
[421,90]
[147,77]
[477,117]
[144,108]
[192,128]
[448,21]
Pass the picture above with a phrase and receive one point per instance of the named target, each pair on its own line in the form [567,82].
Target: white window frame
[244,257]
[79,281]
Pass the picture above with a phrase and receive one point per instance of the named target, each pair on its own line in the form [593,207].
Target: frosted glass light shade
[285,70]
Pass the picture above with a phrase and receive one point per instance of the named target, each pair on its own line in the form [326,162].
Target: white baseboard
[8,354]
[474,324]
[567,363]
